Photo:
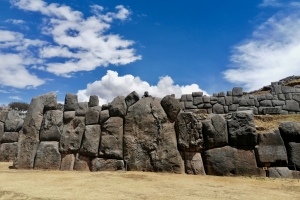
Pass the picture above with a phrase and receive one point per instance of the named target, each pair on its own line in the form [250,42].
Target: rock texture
[67,162]
[52,126]
[47,156]
[112,139]
[171,106]
[283,172]
[117,108]
[215,131]
[228,161]
[193,163]
[150,139]
[290,131]
[91,139]
[100,164]
[189,132]
[8,151]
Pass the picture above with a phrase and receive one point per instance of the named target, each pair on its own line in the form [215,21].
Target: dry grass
[41,185]
[293,83]
[268,123]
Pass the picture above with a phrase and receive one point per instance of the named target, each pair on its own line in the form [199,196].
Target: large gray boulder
[117,108]
[71,137]
[8,152]
[290,131]
[132,98]
[13,122]
[92,115]
[215,131]
[193,163]
[91,139]
[81,109]
[9,137]
[29,136]
[189,132]
[241,129]
[228,161]
[52,126]
[3,115]
[71,102]
[282,172]
[292,105]
[94,101]
[47,156]
[271,149]
[104,115]
[294,153]
[218,109]
[111,145]
[150,139]
[171,106]
[101,164]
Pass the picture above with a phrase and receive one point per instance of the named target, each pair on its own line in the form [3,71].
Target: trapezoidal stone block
[189,132]
[111,145]
[82,163]
[193,163]
[171,106]
[91,139]
[241,129]
[294,153]
[13,122]
[9,137]
[290,131]
[8,151]
[228,161]
[101,164]
[131,98]
[71,102]
[47,156]
[150,139]
[92,115]
[71,137]
[271,149]
[52,126]
[215,131]
[117,108]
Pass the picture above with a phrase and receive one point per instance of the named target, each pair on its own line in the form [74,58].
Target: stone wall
[157,135]
[10,125]
[281,100]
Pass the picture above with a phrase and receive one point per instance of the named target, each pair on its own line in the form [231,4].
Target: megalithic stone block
[91,139]
[47,156]
[193,163]
[52,126]
[13,122]
[8,151]
[171,106]
[67,162]
[101,164]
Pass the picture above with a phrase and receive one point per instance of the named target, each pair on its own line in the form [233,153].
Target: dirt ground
[42,185]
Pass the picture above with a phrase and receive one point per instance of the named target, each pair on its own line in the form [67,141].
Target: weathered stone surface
[278,103]
[104,115]
[50,102]
[82,163]
[228,100]
[71,137]
[276,89]
[68,116]
[206,99]
[282,172]
[290,131]
[197,100]
[237,91]
[171,106]
[215,131]
[81,109]
[117,108]
[47,156]
[197,94]
[93,101]
[100,164]
[52,126]
[189,97]
[227,161]
[67,162]
[281,97]
[271,110]
[296,97]
[241,129]
[193,163]
[261,97]
[189,132]
[218,109]
[10,137]
[132,98]
[3,115]
[150,139]
[287,89]
[1,130]
[247,102]
[265,103]
[71,102]
[8,152]
[13,122]
[92,115]
[271,149]
[221,100]
[189,105]
[269,96]
[233,107]
[90,144]
[29,136]
[111,145]
[292,105]
[229,93]
[294,153]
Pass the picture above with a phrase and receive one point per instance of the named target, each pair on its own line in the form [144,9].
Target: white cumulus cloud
[272,53]
[83,43]
[112,85]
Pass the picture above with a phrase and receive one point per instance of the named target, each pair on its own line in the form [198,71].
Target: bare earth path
[33,184]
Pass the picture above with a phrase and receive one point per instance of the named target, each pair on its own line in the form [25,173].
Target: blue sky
[111,48]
